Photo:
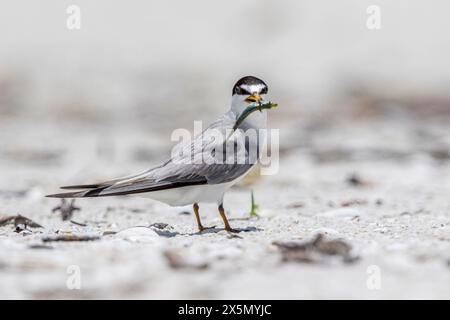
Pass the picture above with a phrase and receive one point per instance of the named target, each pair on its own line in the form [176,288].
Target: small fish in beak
[254,106]
[254,97]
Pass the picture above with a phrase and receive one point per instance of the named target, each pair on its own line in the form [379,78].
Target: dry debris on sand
[316,250]
[18,220]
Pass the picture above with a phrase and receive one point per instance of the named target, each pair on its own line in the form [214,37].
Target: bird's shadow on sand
[170,234]
[217,230]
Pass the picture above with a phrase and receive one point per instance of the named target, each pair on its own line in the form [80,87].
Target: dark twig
[78,223]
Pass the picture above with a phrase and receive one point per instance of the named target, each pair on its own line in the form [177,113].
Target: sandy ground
[393,218]
[85,105]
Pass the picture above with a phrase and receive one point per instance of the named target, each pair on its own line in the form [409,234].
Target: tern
[183,179]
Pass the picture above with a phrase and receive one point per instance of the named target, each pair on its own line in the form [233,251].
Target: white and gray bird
[180,181]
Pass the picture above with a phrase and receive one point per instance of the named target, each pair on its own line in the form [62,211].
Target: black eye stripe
[243,91]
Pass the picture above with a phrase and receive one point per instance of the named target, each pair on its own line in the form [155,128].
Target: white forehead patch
[253,87]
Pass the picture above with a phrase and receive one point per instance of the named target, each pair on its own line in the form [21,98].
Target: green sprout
[254,207]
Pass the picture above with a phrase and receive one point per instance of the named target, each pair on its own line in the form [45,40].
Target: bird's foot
[232,230]
[202,228]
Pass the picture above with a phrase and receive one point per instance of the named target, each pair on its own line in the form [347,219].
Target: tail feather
[79,194]
[141,183]
[103,183]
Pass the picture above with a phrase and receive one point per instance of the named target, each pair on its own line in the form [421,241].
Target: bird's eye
[264,90]
[241,91]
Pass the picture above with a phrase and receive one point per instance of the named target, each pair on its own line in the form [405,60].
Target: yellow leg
[197,217]
[225,220]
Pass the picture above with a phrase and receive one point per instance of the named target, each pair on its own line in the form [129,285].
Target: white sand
[401,225]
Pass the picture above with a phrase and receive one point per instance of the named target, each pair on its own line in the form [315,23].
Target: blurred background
[356,105]
[148,67]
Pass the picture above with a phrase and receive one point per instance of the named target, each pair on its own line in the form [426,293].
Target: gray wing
[182,169]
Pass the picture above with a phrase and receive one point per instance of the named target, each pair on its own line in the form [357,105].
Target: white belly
[188,195]
[206,193]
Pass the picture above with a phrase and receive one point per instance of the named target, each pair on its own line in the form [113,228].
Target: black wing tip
[80,186]
[99,191]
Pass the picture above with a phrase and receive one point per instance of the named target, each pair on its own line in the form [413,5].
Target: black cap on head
[241,87]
